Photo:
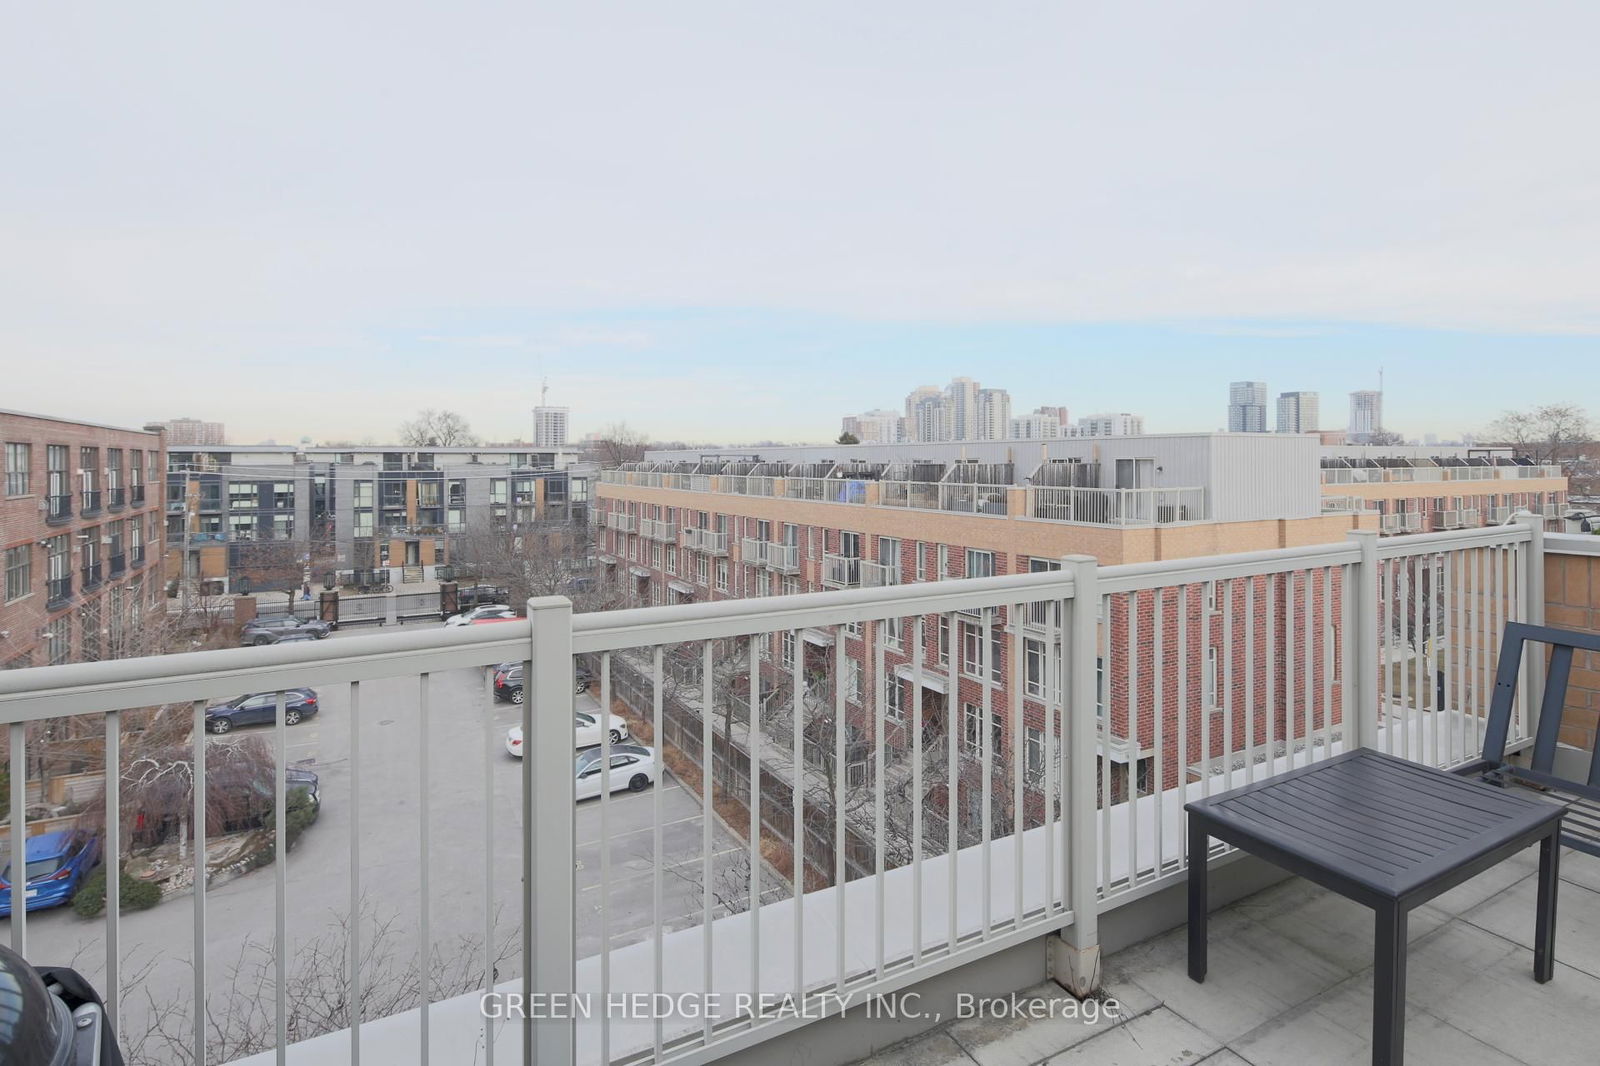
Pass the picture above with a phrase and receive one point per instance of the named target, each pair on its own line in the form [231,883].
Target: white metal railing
[1403,522]
[784,558]
[752,551]
[623,522]
[878,574]
[1469,517]
[706,540]
[1449,519]
[1117,507]
[1341,504]
[840,571]
[945,496]
[825,489]
[1550,510]
[1077,809]
[658,529]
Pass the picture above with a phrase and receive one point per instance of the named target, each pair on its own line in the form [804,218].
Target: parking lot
[156,944]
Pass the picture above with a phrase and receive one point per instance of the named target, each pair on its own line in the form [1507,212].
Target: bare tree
[433,428]
[619,444]
[1549,433]
[1387,438]
[548,558]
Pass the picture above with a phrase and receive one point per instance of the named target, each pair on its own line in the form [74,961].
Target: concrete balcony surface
[1290,984]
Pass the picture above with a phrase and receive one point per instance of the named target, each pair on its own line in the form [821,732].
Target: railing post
[1533,664]
[1365,641]
[548,890]
[1075,951]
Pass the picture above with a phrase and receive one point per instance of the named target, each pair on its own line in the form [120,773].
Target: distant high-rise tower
[1247,407]
[994,414]
[1297,412]
[962,397]
[925,415]
[1366,415]
[550,427]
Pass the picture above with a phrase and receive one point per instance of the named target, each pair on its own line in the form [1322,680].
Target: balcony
[58,591]
[116,499]
[752,552]
[1470,517]
[1071,837]
[1404,522]
[706,540]
[622,522]
[136,495]
[89,503]
[92,576]
[1499,515]
[783,558]
[58,509]
[119,564]
[840,571]
[878,575]
[658,530]
[136,556]
[1118,507]
[1447,519]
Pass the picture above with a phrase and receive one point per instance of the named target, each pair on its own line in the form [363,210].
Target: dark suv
[469,596]
[280,628]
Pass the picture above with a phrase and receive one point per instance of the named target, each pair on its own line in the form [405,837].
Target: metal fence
[916,776]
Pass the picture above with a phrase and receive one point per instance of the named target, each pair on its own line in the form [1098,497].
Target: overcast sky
[738,220]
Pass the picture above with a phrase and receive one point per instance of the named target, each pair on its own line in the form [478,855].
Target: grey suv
[278,629]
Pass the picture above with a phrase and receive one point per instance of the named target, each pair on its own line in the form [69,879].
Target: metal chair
[1581,825]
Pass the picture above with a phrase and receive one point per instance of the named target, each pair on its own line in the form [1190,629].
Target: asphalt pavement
[157,945]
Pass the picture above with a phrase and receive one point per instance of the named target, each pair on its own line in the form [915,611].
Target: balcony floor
[1290,984]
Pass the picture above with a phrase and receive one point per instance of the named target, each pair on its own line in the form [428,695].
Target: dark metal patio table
[1384,832]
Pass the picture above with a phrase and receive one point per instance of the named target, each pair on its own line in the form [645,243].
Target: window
[786,648]
[655,556]
[1036,661]
[702,569]
[283,495]
[892,632]
[852,681]
[363,493]
[895,700]
[722,575]
[1034,754]
[944,640]
[242,496]
[56,461]
[58,640]
[922,561]
[944,563]
[1211,597]
[113,468]
[1209,686]
[671,559]
[972,731]
[19,461]
[849,544]
[980,563]
[972,650]
[498,490]
[19,572]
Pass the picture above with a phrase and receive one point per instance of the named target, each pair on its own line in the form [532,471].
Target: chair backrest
[1562,642]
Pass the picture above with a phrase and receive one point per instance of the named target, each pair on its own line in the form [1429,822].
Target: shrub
[90,899]
[302,811]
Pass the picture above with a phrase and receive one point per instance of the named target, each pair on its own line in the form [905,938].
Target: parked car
[257,707]
[508,682]
[57,863]
[469,596]
[586,732]
[633,767]
[276,629]
[497,611]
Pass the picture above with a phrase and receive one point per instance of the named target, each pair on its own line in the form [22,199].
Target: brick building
[80,529]
[255,512]
[681,528]
[1428,489]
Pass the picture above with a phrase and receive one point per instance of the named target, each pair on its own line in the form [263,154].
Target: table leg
[1199,844]
[1544,936]
[1389,987]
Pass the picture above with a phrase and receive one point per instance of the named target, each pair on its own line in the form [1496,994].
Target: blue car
[58,862]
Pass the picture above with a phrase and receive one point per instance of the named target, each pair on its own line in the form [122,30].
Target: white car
[633,768]
[488,610]
[586,730]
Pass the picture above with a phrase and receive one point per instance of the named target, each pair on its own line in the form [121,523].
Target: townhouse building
[80,522]
[684,526]
[1425,489]
[231,512]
